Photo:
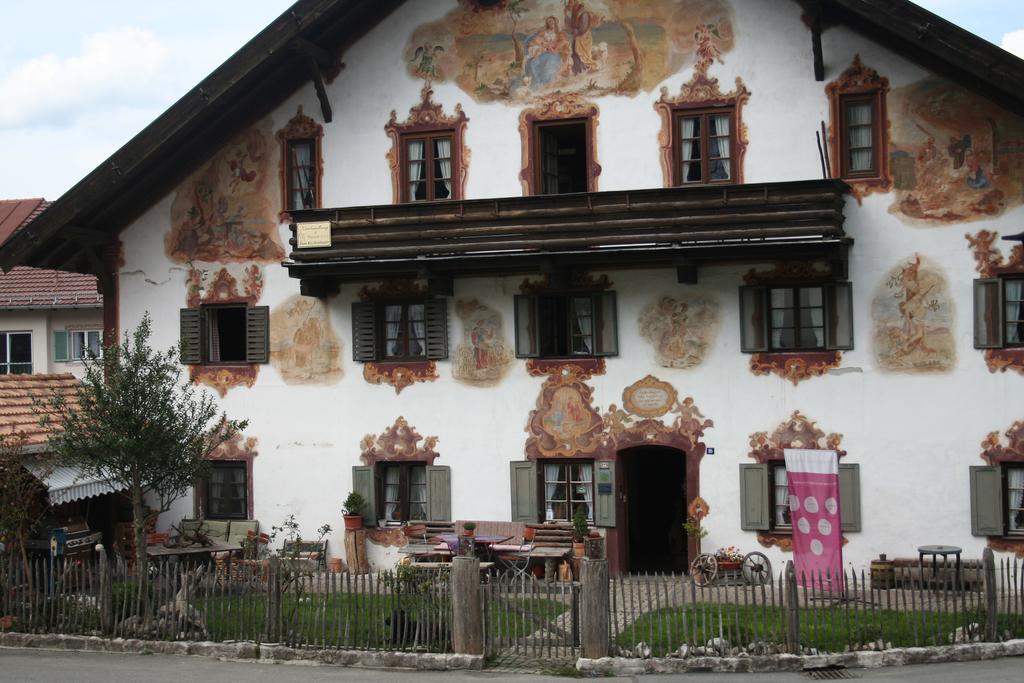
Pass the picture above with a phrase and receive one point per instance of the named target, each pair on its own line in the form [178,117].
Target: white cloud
[119,66]
[1014,42]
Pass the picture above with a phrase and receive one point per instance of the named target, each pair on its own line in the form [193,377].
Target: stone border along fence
[282,611]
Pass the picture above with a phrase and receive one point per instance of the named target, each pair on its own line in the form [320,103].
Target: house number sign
[313,235]
[650,397]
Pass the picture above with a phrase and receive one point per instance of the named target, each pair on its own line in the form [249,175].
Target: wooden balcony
[679,227]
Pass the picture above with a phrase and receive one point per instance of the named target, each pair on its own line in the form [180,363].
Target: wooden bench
[312,552]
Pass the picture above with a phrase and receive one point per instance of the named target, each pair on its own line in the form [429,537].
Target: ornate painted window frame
[428,117]
[860,81]
[557,107]
[301,127]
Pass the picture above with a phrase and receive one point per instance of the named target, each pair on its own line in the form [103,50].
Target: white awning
[67,484]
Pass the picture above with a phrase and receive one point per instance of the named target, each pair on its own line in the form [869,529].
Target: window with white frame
[15,353]
[85,344]
[568,486]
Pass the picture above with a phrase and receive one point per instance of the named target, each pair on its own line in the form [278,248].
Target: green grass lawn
[826,629]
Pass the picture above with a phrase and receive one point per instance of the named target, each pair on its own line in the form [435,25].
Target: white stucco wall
[914,436]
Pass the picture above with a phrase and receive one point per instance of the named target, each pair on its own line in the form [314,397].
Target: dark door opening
[563,157]
[655,506]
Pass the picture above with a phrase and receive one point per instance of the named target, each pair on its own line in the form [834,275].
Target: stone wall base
[623,666]
[246,651]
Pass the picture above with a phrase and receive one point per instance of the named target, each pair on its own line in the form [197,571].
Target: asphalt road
[45,666]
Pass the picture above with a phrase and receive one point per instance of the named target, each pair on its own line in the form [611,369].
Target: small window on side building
[15,353]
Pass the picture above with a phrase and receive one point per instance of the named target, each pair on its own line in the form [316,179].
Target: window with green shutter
[566,325]
[998,312]
[225,334]
[796,318]
[764,497]
[997,499]
[400,331]
[754,498]
[523,478]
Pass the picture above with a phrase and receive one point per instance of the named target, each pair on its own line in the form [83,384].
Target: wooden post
[106,601]
[355,551]
[467,615]
[792,612]
[595,612]
[988,562]
[272,627]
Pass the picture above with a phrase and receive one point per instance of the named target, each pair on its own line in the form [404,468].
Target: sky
[79,79]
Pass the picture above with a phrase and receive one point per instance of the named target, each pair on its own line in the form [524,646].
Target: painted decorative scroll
[553,108]
[989,262]
[995,452]
[859,79]
[914,316]
[514,52]
[483,357]
[227,211]
[955,157]
[425,117]
[681,329]
[649,397]
[702,91]
[564,424]
[303,345]
[583,368]
[300,127]
[398,443]
[796,432]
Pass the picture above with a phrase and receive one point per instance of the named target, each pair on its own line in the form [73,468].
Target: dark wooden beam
[85,236]
[819,58]
[316,75]
[324,59]
[321,288]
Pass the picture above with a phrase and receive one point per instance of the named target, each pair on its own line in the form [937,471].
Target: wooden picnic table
[195,549]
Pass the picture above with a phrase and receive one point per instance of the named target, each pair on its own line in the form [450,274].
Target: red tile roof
[24,287]
[17,411]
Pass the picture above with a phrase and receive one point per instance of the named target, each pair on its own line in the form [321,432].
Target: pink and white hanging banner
[813,480]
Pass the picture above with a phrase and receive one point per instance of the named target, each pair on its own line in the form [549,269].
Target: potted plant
[352,510]
[729,558]
[468,529]
[693,530]
[579,531]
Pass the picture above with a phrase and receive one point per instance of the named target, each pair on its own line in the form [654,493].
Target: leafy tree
[22,497]
[135,423]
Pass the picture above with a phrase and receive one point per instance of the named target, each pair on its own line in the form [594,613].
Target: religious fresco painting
[954,156]
[227,210]
[303,346]
[681,329]
[913,316]
[483,357]
[517,50]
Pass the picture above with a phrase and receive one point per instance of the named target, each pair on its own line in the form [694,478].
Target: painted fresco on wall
[303,346]
[913,316]
[681,330]
[954,156]
[516,50]
[483,357]
[227,210]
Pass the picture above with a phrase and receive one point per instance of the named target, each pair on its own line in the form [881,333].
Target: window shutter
[364,331]
[436,311]
[839,327]
[257,334]
[753,319]
[986,500]
[191,339]
[849,496]
[604,501]
[524,491]
[754,512]
[364,485]
[606,336]
[527,338]
[988,313]
[60,345]
[439,493]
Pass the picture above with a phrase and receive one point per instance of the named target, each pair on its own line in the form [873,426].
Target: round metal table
[935,551]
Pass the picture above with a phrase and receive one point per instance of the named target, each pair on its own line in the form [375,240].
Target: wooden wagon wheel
[756,568]
[703,569]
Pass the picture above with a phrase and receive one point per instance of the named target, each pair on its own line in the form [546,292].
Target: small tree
[22,496]
[133,422]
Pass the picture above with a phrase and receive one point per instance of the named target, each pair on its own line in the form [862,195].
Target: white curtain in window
[418,336]
[1014,295]
[858,131]
[1015,491]
[583,316]
[690,149]
[302,166]
[418,493]
[391,498]
[587,477]
[214,333]
[718,146]
[551,482]
[782,512]
[443,154]
[415,151]
[392,332]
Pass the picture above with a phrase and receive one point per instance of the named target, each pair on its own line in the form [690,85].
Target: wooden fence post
[106,590]
[988,563]
[792,610]
[272,628]
[467,614]
[594,609]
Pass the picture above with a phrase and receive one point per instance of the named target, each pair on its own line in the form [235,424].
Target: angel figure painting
[483,357]
[519,50]
[680,330]
[913,316]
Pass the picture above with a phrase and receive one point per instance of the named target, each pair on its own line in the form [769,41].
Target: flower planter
[729,565]
[578,550]
[353,521]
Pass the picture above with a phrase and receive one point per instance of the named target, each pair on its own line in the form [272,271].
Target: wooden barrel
[882,573]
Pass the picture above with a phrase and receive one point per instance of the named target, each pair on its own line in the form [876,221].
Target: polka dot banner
[813,479]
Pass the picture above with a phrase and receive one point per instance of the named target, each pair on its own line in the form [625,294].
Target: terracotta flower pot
[334,565]
[353,521]
[577,550]
[469,533]
[529,533]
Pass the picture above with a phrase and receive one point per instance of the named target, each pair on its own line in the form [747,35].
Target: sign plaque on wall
[313,235]
[649,397]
